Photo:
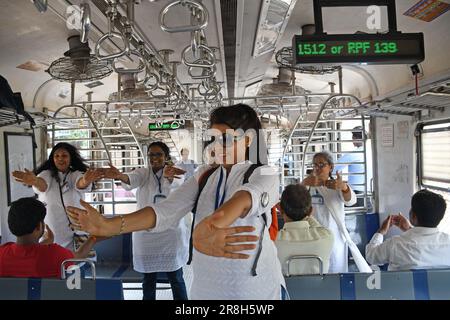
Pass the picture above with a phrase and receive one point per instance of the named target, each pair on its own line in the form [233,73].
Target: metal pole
[72,93]
[119,87]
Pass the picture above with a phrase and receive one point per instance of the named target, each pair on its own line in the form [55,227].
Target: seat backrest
[431,284]
[56,289]
[312,287]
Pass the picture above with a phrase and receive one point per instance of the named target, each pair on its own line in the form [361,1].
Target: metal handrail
[63,270]
[200,26]
[304,257]
[140,68]
[322,108]
[207,73]
[287,143]
[85,21]
[92,122]
[109,35]
[207,63]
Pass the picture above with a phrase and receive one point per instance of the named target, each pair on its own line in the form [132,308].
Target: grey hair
[326,155]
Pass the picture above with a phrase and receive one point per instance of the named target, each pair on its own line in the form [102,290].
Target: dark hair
[359,134]
[183,149]
[328,157]
[76,161]
[296,202]
[163,147]
[428,207]
[25,215]
[242,116]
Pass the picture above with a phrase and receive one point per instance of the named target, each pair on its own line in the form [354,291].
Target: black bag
[13,101]
[9,99]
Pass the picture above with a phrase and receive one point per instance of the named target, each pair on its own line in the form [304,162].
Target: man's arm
[377,251]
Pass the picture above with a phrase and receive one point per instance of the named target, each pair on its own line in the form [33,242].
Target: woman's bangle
[122,224]
[346,190]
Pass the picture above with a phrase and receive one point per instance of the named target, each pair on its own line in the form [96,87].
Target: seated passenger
[29,258]
[301,233]
[419,247]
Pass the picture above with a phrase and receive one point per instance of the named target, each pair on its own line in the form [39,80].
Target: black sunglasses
[225,139]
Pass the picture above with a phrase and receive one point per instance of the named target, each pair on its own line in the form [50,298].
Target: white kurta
[339,253]
[417,248]
[160,251]
[222,278]
[305,237]
[56,217]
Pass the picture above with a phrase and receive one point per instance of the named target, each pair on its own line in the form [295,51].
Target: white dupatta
[361,263]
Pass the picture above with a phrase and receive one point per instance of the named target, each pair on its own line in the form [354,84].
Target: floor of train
[133,291]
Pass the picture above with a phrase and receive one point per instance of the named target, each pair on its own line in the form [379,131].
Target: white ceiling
[26,34]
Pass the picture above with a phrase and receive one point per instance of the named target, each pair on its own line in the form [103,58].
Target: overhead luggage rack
[9,117]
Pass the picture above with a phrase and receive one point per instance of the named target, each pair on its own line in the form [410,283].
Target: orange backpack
[273,229]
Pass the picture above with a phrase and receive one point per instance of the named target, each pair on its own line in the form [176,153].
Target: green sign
[359,48]
[170,125]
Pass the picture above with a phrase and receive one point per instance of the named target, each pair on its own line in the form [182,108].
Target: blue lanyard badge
[219,201]
[64,185]
[316,198]
[159,181]
[158,198]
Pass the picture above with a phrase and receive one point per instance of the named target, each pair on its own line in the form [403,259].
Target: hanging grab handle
[208,61]
[195,6]
[85,21]
[125,50]
[139,69]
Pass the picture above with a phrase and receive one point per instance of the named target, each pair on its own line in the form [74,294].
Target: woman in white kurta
[60,182]
[154,252]
[329,197]
[224,266]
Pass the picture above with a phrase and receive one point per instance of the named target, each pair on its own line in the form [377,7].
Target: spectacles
[155,154]
[320,165]
[226,139]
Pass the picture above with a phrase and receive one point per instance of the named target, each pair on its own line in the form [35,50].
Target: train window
[434,155]
[434,162]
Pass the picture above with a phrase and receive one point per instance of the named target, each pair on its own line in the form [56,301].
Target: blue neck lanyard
[159,179]
[219,201]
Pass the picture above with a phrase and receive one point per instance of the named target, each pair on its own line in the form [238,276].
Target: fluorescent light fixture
[273,19]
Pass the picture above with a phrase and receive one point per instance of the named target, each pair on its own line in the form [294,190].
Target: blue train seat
[430,284]
[57,289]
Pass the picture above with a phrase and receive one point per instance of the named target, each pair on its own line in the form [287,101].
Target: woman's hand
[112,172]
[26,177]
[337,184]
[171,172]
[89,220]
[313,181]
[222,242]
[92,175]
